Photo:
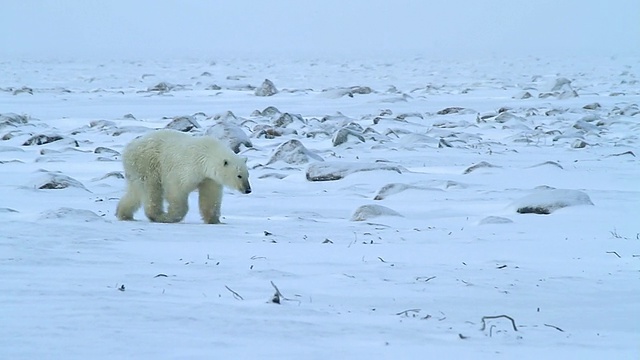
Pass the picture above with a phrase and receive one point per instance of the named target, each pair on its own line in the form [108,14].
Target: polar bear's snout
[247,188]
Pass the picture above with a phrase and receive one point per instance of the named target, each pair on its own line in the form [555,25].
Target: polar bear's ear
[226,163]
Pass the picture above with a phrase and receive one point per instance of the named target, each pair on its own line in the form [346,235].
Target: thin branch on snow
[555,327]
[485,318]
[235,294]
[614,253]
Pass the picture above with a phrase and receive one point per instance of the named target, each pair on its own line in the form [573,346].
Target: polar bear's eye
[239,176]
[226,163]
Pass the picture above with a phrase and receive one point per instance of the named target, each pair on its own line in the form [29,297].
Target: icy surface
[452,147]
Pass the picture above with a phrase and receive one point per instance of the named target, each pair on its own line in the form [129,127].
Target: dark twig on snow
[235,294]
[277,297]
[424,278]
[555,327]
[614,253]
[485,318]
[406,312]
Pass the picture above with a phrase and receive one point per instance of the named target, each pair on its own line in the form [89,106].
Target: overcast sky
[298,28]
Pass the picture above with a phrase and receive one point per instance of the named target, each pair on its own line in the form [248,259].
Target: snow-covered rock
[367,212]
[328,171]
[547,200]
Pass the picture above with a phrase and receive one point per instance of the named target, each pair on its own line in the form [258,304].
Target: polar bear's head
[223,165]
[235,174]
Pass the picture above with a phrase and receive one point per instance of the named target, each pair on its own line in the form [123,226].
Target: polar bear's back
[170,149]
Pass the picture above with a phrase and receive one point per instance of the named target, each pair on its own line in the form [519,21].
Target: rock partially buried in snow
[547,200]
[162,87]
[480,165]
[287,119]
[396,188]
[113,174]
[14,120]
[55,180]
[343,135]
[455,110]
[183,123]
[579,144]
[293,152]
[366,212]
[65,213]
[329,171]
[42,139]
[231,134]
[495,220]
[106,151]
[266,89]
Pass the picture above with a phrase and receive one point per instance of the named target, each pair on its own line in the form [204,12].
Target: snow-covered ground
[422,238]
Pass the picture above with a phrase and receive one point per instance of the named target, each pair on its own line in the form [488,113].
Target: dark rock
[11,119]
[42,139]
[444,143]
[579,144]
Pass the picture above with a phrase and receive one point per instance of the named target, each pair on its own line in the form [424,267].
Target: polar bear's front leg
[210,201]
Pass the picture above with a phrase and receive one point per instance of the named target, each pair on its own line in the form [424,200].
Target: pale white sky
[297,28]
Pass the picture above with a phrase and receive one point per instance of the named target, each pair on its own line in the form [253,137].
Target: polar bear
[168,164]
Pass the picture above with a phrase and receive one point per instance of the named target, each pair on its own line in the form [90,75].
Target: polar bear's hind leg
[130,202]
[153,202]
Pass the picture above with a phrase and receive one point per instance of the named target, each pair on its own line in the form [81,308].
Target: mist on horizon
[375,28]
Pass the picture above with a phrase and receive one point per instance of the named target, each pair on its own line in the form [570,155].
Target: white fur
[169,165]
